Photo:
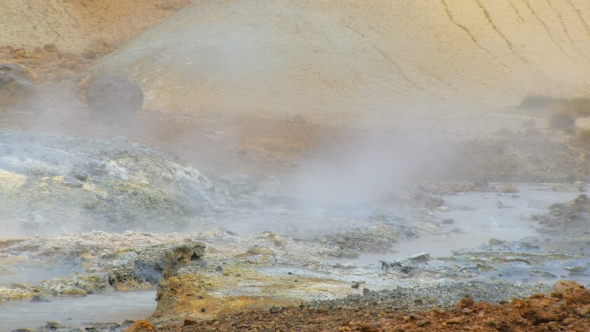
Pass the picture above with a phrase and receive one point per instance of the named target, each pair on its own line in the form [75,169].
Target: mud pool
[76,311]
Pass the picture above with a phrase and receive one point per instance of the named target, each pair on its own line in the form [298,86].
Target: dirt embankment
[76,26]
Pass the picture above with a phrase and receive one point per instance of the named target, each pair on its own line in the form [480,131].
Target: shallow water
[34,275]
[76,311]
[478,218]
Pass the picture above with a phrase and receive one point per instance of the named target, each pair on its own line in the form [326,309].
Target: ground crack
[545,26]
[487,14]
[464,28]
[516,11]
[580,16]
[403,74]
[565,29]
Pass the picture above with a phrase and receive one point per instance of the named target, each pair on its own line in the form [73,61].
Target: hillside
[345,60]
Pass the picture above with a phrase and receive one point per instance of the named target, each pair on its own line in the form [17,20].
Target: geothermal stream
[477,217]
[76,311]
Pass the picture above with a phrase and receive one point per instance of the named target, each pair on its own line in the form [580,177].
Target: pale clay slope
[335,60]
[76,25]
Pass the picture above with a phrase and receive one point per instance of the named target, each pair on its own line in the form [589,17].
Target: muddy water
[76,311]
[477,218]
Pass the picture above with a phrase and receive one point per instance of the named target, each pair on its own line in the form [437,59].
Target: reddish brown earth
[566,309]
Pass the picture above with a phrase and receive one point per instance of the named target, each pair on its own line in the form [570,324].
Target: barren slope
[332,60]
[76,25]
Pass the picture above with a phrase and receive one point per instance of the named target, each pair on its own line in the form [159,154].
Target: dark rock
[52,324]
[219,268]
[495,242]
[16,89]
[448,221]
[182,255]
[82,176]
[72,182]
[113,99]
[508,189]
[40,298]
[188,321]
[276,310]
[356,285]
[366,291]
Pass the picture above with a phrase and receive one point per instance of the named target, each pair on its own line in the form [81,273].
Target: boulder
[16,89]
[113,99]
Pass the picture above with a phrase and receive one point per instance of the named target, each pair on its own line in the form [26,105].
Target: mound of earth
[77,26]
[332,61]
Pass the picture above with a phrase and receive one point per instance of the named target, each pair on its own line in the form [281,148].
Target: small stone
[275,309]
[366,291]
[448,221]
[356,285]
[82,176]
[140,325]
[508,189]
[466,302]
[188,321]
[40,298]
[113,100]
[203,309]
[495,242]
[72,182]
[53,324]
[218,268]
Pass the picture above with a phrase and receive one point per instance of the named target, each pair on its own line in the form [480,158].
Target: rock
[189,320]
[276,310]
[580,295]
[72,182]
[420,258]
[53,325]
[466,302]
[448,221]
[356,285]
[508,189]
[182,255]
[16,89]
[428,201]
[482,185]
[40,298]
[366,291]
[242,188]
[563,288]
[140,325]
[495,242]
[258,250]
[80,175]
[113,99]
